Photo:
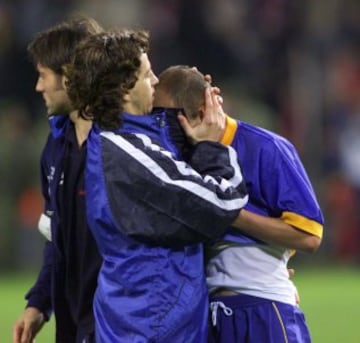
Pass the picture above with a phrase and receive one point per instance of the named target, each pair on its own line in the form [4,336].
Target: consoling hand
[211,123]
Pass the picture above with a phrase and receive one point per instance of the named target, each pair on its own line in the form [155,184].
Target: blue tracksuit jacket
[149,212]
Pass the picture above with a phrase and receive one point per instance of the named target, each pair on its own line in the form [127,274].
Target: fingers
[216,90]
[210,124]
[22,335]
[209,98]
[17,332]
[213,113]
[220,115]
[208,78]
[26,336]
[26,328]
[16,336]
[217,99]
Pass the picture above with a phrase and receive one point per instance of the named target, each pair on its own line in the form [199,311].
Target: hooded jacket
[150,213]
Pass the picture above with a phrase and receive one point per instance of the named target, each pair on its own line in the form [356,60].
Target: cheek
[149,90]
[48,86]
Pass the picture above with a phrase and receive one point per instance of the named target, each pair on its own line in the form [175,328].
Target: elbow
[311,244]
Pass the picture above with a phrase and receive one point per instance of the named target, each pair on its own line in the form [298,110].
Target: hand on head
[211,123]
[215,90]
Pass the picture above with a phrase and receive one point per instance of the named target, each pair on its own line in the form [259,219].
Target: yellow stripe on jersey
[303,223]
[230,130]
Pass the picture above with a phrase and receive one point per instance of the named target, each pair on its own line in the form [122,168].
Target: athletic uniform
[149,212]
[264,308]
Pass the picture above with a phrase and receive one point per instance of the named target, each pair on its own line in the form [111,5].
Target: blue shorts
[244,318]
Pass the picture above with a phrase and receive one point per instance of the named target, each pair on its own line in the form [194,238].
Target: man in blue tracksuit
[148,210]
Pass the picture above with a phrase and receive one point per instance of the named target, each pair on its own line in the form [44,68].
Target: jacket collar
[59,124]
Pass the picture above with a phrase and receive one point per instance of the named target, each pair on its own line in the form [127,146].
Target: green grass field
[330,299]
[12,290]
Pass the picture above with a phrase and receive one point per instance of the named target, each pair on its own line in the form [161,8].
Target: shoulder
[264,139]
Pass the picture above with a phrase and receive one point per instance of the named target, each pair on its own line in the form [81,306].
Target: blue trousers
[247,319]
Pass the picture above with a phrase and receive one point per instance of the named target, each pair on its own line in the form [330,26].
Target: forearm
[275,231]
[39,296]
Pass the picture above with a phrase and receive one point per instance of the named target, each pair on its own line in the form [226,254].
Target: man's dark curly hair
[105,67]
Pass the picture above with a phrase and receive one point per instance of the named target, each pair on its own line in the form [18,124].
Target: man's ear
[126,97]
[64,80]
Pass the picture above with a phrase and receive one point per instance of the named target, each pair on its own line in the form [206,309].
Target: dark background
[287,65]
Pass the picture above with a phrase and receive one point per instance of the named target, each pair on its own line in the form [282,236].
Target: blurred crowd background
[287,65]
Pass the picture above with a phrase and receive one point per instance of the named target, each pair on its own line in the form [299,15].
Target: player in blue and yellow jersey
[252,298]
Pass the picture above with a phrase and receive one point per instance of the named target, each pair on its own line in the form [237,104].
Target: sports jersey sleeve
[156,198]
[287,189]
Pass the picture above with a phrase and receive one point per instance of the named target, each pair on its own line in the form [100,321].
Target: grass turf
[12,290]
[330,299]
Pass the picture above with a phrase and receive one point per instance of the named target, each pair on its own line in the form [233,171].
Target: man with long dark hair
[67,280]
[148,210]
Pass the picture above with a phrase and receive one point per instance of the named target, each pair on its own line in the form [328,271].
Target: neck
[82,127]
